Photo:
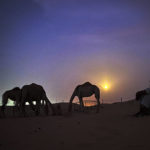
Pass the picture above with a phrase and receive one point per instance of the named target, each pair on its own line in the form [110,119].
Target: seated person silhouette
[144,98]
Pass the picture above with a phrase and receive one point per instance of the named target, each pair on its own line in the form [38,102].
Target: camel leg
[70,103]
[38,104]
[14,109]
[31,105]
[16,106]
[70,106]
[23,109]
[52,107]
[98,103]
[5,100]
[47,102]
[81,104]
[23,100]
[75,93]
[42,102]
[46,108]
[71,100]
[3,110]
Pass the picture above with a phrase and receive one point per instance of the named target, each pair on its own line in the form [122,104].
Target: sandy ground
[113,128]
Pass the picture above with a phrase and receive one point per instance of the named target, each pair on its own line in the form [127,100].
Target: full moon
[106,87]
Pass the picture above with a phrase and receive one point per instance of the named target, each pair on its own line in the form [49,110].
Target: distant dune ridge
[114,127]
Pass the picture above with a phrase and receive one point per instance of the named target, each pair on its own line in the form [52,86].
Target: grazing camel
[13,94]
[34,92]
[85,90]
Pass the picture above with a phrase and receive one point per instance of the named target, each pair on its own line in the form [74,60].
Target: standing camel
[13,94]
[34,92]
[85,90]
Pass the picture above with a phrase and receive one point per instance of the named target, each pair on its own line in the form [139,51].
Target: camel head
[140,94]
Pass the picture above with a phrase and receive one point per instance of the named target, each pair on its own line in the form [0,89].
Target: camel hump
[86,84]
[37,86]
[34,84]
[16,89]
[33,87]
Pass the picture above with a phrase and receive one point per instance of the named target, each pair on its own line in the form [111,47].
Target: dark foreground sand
[113,128]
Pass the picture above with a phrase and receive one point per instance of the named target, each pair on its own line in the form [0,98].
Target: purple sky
[62,43]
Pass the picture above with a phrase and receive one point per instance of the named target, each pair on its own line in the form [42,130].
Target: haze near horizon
[60,44]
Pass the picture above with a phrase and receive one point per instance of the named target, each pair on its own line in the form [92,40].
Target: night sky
[62,43]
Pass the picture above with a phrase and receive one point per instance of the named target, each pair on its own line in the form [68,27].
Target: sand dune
[113,128]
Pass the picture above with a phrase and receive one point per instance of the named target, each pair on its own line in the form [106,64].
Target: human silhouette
[144,99]
[85,90]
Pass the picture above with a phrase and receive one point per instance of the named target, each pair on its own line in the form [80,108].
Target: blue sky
[60,44]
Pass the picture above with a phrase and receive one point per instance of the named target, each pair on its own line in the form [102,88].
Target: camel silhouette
[13,94]
[35,92]
[85,90]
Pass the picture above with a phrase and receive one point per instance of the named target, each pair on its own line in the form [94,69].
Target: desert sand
[114,127]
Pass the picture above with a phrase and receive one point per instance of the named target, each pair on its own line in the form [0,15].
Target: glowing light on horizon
[106,87]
